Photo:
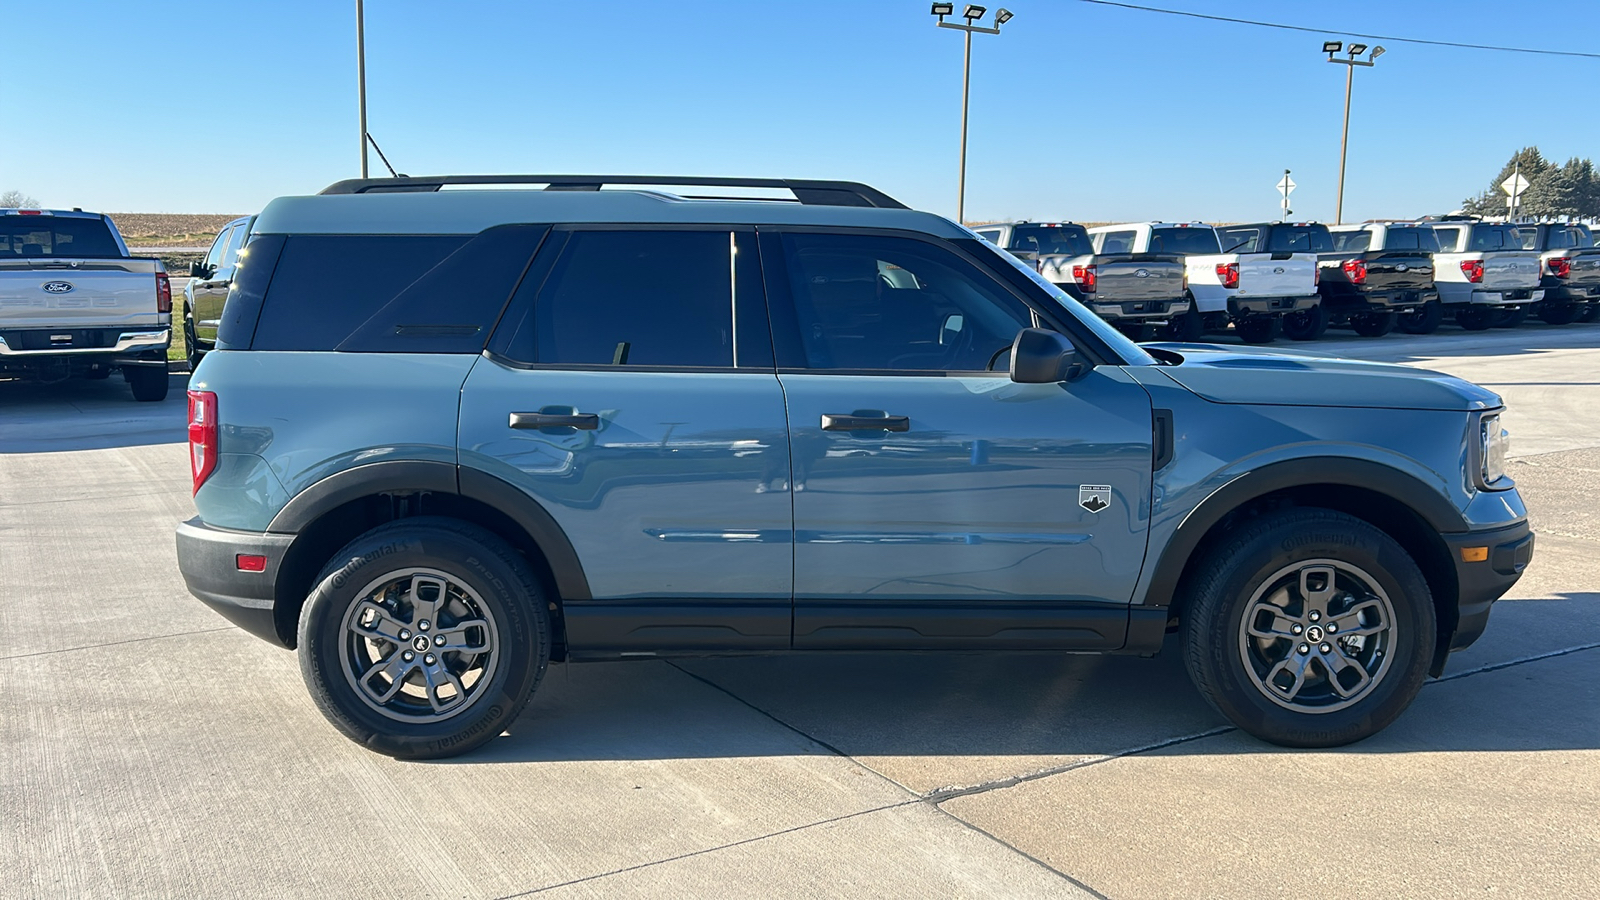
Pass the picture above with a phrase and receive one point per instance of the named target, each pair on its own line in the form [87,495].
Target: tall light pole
[973,14]
[1330,48]
[361,79]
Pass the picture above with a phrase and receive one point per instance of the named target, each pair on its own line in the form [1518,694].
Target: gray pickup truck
[75,304]
[1569,270]
[1132,291]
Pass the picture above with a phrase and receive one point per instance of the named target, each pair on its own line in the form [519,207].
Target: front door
[936,502]
[630,391]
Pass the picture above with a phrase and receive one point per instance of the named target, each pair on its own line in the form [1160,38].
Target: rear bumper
[1143,310]
[1257,306]
[1482,583]
[1504,298]
[208,559]
[116,342]
[1573,294]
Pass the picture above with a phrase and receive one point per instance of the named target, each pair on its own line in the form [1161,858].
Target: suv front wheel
[424,638]
[1309,628]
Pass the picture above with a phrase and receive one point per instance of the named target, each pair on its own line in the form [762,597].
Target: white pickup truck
[74,304]
[1483,274]
[1250,275]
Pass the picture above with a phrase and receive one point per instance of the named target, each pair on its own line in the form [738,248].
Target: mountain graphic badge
[1094,497]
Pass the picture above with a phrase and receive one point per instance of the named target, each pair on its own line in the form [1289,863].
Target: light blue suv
[447,436]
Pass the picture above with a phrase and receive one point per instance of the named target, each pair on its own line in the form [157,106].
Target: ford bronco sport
[447,436]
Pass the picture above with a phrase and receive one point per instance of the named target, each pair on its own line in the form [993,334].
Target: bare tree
[17,200]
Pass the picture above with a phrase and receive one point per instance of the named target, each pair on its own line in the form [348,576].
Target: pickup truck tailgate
[1138,278]
[1403,271]
[1507,270]
[1583,268]
[64,293]
[1260,275]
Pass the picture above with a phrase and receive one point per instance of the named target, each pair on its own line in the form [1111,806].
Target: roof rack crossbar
[806,191]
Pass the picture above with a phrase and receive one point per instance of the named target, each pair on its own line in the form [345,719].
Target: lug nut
[405,635]
[438,640]
[1297,629]
[1326,648]
[424,625]
[429,659]
[408,656]
[1332,628]
[1304,649]
[1315,616]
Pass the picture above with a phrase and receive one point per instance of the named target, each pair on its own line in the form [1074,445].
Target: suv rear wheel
[424,638]
[1309,628]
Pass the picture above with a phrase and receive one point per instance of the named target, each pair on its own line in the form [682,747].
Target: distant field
[169,229]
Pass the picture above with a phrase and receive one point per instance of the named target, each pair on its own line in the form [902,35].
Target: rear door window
[218,248]
[56,236]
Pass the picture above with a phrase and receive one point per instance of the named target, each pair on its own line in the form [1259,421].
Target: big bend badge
[1094,497]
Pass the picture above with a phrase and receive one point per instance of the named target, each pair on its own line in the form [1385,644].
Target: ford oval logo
[57,287]
[1141,273]
[1278,270]
[1402,267]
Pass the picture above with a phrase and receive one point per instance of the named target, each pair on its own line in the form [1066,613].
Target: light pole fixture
[973,13]
[1350,62]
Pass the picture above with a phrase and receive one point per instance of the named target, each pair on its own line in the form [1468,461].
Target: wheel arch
[1393,501]
[342,506]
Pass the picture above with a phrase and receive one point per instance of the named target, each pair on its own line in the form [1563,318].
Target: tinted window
[1239,240]
[1564,239]
[46,236]
[235,243]
[1495,237]
[1072,240]
[1300,239]
[639,298]
[1585,236]
[990,235]
[1449,238]
[251,277]
[1184,241]
[1114,241]
[1409,237]
[218,247]
[896,303]
[1355,241]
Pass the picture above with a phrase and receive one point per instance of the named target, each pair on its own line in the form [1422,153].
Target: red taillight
[1316,276]
[202,436]
[1086,277]
[1356,270]
[1473,269]
[1228,274]
[163,293]
[1560,266]
[250,563]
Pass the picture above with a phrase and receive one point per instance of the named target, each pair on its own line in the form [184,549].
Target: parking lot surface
[153,750]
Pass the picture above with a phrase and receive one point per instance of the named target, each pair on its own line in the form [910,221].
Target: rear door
[936,502]
[630,392]
[210,293]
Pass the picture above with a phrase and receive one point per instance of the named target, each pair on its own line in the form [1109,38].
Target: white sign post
[1286,187]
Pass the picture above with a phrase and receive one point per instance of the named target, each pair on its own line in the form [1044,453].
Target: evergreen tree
[1492,202]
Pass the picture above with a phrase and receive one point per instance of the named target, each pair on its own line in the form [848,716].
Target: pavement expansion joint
[1523,660]
[138,640]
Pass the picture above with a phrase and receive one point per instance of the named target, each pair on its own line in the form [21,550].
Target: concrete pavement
[153,750]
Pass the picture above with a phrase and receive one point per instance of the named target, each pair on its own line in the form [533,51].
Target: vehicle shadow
[80,414]
[1048,706]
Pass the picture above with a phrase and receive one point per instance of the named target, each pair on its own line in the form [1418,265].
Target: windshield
[1070,240]
[1119,342]
[43,237]
[1194,241]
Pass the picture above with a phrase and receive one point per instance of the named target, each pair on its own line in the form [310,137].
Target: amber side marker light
[1474,554]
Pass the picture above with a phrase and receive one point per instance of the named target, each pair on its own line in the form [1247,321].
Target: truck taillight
[1086,277]
[1228,274]
[1560,266]
[163,293]
[1473,269]
[1356,270]
[202,436]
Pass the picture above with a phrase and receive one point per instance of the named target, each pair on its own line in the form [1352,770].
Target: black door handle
[834,422]
[581,421]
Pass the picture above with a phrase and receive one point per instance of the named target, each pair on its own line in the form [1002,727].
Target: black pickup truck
[1569,270]
[1379,275]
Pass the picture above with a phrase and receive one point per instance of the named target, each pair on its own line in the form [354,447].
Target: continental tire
[424,638]
[1308,628]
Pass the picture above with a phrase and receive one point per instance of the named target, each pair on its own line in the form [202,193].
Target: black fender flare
[423,476]
[1429,505]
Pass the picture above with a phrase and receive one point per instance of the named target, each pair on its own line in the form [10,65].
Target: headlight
[1494,443]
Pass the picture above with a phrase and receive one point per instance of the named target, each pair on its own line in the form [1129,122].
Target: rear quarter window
[387,293]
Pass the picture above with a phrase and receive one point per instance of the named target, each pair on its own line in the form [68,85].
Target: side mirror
[197,269]
[1040,356]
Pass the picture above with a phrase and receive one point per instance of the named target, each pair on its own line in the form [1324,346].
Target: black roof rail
[808,192]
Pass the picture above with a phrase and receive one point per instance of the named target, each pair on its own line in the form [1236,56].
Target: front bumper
[208,559]
[1506,553]
[1257,306]
[1140,311]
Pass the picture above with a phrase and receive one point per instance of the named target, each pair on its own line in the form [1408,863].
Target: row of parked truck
[1181,280]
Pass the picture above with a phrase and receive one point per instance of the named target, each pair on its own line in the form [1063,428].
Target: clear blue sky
[1078,111]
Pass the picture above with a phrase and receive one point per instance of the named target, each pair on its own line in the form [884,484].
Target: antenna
[384,158]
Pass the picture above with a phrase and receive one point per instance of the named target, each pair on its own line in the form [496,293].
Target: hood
[1295,378]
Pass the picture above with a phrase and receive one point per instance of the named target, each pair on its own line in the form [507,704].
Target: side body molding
[1426,502]
[409,477]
